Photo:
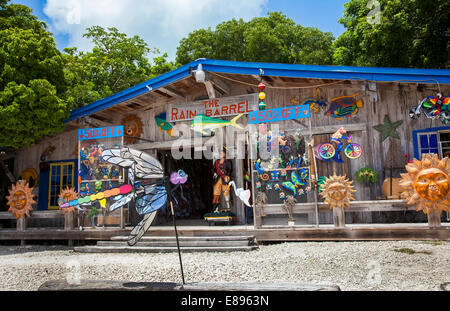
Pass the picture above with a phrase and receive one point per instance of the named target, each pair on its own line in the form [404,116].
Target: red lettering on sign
[240,107]
[206,103]
[182,115]
[216,103]
[224,109]
[208,112]
[233,109]
[174,114]
[217,113]
[192,114]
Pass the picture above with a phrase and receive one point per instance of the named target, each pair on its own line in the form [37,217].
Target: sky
[163,23]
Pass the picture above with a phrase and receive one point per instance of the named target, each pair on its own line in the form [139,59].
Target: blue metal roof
[377,74]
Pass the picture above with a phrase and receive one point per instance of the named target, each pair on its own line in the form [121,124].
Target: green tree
[274,38]
[406,33]
[31,78]
[116,62]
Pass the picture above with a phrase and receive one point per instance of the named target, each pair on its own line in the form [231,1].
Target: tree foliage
[274,38]
[116,62]
[409,33]
[31,78]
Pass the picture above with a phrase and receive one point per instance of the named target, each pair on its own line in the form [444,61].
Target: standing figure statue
[222,172]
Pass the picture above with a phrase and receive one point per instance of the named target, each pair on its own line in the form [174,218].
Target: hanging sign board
[279,114]
[101,132]
[217,107]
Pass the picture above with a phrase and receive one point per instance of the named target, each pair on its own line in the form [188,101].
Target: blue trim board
[427,130]
[380,74]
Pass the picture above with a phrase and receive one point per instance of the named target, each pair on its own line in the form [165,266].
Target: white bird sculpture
[243,195]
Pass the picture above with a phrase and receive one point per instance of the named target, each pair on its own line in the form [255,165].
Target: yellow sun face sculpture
[337,191]
[427,184]
[66,196]
[20,199]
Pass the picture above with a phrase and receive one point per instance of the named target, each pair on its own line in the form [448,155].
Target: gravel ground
[367,266]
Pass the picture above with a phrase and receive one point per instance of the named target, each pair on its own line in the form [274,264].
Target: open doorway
[196,198]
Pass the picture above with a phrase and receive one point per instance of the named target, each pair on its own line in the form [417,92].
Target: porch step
[162,244]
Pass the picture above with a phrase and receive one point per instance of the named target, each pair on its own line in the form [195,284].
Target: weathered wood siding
[393,99]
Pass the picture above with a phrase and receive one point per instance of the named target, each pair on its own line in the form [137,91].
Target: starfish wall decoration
[388,129]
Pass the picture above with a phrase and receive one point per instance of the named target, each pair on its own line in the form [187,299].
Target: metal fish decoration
[163,125]
[201,123]
[344,106]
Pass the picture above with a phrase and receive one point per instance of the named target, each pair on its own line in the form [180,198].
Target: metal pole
[178,243]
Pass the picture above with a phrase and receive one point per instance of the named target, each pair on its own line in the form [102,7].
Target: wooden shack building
[383,96]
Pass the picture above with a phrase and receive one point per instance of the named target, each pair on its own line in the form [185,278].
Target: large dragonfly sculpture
[148,187]
[146,175]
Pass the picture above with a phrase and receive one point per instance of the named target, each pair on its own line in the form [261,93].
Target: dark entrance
[197,191]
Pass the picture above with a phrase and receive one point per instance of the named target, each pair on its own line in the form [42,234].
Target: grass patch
[410,251]
[433,242]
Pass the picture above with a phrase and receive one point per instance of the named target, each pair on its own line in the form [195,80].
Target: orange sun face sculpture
[67,195]
[427,184]
[132,127]
[337,191]
[20,199]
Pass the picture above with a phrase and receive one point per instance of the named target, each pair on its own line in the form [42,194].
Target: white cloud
[161,23]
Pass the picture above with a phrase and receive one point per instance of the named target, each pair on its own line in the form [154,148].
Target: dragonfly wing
[142,227]
[114,156]
[155,198]
[121,202]
[145,165]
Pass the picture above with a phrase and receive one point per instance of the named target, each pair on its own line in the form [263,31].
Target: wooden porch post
[434,220]
[69,224]
[338,217]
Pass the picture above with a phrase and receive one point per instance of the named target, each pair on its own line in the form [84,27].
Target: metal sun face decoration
[337,191]
[68,195]
[20,199]
[427,184]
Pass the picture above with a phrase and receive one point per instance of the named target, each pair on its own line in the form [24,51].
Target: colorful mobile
[433,108]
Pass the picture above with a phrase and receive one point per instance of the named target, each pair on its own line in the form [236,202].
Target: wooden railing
[434,220]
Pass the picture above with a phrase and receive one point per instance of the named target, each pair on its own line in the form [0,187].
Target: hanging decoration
[243,195]
[66,196]
[337,191]
[332,150]
[433,107]
[132,126]
[20,199]
[47,153]
[344,106]
[315,104]
[427,184]
[262,96]
[163,125]
[388,129]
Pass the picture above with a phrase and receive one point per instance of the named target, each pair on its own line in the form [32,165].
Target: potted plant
[366,176]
